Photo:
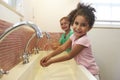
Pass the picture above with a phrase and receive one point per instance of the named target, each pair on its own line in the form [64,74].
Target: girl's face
[64,25]
[80,26]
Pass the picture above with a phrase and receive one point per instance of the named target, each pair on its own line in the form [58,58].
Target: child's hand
[44,60]
[47,63]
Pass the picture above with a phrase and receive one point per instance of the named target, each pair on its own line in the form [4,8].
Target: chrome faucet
[47,35]
[36,49]
[17,26]
[25,58]
[2,72]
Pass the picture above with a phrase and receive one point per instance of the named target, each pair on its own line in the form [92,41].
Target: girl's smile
[80,26]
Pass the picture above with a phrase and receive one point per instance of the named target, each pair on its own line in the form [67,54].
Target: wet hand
[44,60]
[46,63]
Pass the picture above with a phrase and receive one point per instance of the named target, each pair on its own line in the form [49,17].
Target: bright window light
[107,11]
[6,1]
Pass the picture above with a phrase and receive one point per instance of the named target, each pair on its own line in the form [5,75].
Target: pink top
[85,57]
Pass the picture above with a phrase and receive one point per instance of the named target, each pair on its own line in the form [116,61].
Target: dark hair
[83,10]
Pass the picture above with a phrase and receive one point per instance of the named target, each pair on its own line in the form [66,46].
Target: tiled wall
[46,44]
[13,46]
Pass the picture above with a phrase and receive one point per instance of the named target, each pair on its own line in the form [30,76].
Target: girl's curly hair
[83,10]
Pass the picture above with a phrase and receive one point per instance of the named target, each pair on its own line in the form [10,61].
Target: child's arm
[60,49]
[77,48]
[55,45]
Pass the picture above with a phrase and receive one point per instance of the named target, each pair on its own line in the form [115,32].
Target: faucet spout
[36,28]
[17,25]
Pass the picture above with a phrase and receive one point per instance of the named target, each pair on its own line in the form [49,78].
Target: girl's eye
[76,23]
[82,24]
[61,24]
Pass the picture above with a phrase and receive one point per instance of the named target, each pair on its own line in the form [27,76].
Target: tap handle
[3,71]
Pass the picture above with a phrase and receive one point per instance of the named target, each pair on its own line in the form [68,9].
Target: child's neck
[67,31]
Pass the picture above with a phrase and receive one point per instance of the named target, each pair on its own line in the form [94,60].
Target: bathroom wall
[106,44]
[47,13]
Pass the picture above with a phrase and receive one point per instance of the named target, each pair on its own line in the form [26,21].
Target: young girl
[65,26]
[82,19]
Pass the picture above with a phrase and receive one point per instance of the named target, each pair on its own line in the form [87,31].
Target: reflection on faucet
[17,25]
[47,35]
[2,72]
[25,58]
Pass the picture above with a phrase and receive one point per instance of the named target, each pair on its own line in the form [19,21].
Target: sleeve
[83,41]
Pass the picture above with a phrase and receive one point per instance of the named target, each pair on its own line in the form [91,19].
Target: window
[13,3]
[107,11]
[6,1]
